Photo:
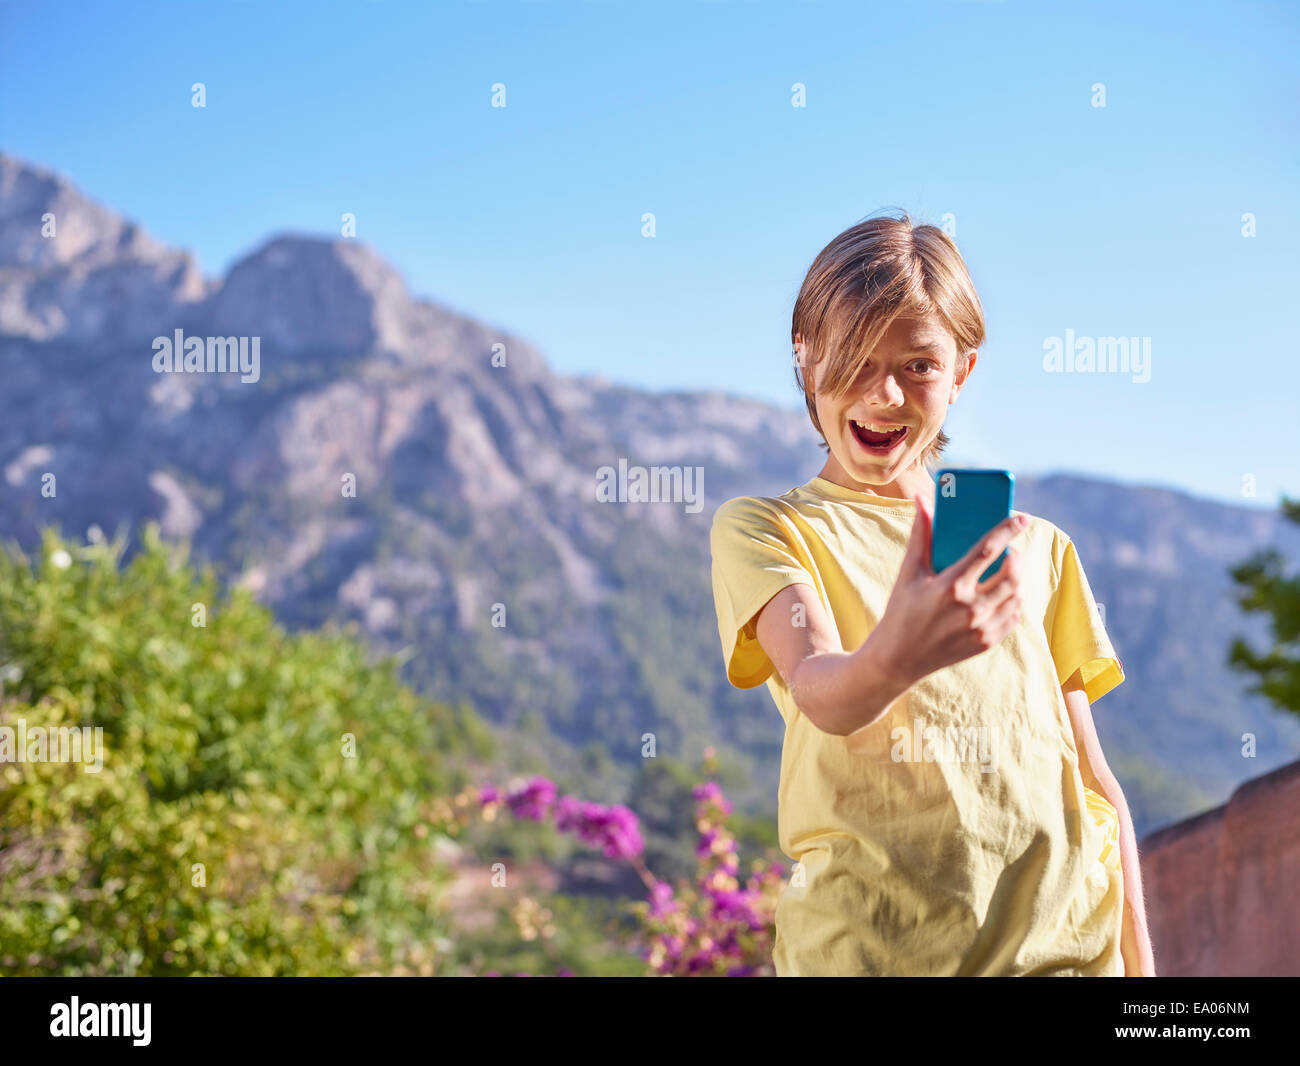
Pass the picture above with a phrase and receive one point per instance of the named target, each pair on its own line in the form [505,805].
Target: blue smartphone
[967,504]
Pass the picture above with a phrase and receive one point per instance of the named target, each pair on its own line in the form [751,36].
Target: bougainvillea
[713,926]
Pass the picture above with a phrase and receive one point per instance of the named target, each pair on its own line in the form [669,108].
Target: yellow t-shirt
[954,836]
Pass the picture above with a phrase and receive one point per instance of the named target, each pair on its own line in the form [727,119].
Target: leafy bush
[266,803]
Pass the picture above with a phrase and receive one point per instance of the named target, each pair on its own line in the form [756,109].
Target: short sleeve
[1075,630]
[753,560]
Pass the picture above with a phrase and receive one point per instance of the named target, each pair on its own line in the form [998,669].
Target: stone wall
[1222,889]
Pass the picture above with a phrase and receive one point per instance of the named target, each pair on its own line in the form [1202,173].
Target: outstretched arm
[840,692]
[1135,942]
[931,621]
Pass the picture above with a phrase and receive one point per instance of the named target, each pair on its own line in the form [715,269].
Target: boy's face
[879,430]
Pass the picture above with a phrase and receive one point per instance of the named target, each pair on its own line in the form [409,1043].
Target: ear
[800,351]
[964,367]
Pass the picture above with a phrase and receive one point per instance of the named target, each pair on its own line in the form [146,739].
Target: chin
[880,471]
[875,476]
[871,475]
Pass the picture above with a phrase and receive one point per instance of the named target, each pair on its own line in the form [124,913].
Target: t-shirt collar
[821,487]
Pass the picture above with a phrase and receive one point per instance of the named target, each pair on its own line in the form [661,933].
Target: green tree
[1264,587]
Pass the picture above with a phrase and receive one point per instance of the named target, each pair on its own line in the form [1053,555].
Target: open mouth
[878,438]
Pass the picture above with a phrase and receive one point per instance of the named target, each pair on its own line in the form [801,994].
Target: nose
[883,390]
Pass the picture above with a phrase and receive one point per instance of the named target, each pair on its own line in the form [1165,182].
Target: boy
[912,859]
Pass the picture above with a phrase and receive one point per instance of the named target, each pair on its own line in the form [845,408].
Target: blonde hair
[879,270]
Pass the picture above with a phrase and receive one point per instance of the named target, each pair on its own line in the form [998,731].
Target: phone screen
[967,504]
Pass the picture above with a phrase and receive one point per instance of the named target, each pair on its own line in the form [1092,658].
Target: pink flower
[736,906]
[533,801]
[705,847]
[615,830]
[709,792]
[661,900]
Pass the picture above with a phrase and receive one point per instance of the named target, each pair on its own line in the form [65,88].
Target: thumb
[916,557]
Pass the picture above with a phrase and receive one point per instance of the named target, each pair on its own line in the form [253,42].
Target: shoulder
[1040,527]
[746,512]
[751,526]
[764,509]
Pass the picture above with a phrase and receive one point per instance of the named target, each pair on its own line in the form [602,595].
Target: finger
[1008,573]
[990,601]
[975,590]
[1008,616]
[992,595]
[967,570]
[1001,620]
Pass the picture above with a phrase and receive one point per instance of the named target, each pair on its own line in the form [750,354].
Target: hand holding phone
[934,619]
[967,505]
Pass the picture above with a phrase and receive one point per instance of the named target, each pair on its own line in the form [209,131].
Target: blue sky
[1117,221]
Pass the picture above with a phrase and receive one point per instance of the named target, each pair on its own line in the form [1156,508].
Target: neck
[911,482]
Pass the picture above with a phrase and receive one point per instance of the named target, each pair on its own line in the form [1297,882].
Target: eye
[924,367]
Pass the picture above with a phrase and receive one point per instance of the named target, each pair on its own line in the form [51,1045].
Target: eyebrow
[929,348]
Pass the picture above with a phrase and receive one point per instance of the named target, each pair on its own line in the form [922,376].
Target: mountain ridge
[474,467]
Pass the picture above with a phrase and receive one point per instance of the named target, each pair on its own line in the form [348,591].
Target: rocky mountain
[388,461]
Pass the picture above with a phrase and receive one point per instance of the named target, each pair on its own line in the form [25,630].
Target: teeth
[877,427]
